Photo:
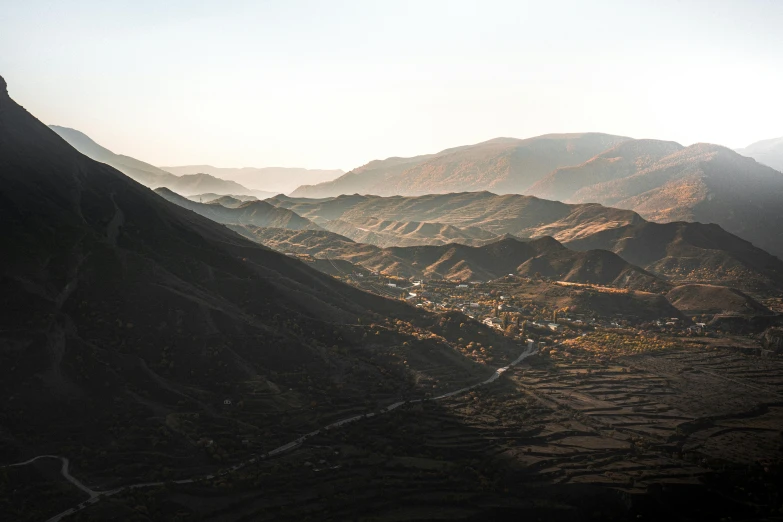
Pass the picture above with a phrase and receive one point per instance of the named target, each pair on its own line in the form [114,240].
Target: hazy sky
[334,84]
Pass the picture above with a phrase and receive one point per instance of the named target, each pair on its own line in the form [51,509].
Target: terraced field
[677,435]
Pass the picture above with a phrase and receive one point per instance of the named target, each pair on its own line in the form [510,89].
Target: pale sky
[334,84]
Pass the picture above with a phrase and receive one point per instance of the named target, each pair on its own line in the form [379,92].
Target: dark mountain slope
[127,321]
[502,165]
[259,213]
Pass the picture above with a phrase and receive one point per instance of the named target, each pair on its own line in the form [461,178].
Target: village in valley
[562,317]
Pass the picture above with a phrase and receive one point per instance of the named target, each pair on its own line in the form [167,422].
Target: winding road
[96,496]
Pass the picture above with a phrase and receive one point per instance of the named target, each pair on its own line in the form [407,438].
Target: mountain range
[148,322]
[268,179]
[228,210]
[666,182]
[680,251]
[544,257]
[501,165]
[150,175]
[662,181]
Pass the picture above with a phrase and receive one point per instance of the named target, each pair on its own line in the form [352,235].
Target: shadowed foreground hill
[127,322]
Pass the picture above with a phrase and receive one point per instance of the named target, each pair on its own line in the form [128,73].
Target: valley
[178,346]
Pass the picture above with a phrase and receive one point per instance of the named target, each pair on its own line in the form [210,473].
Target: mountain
[226,201]
[456,262]
[140,339]
[208,197]
[501,165]
[590,300]
[704,183]
[710,299]
[268,179]
[523,216]
[660,180]
[679,251]
[409,233]
[768,152]
[149,175]
[622,160]
[259,213]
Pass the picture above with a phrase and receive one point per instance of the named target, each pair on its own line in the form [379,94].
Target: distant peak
[3,86]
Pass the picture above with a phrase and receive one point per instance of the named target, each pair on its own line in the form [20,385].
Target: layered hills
[680,251]
[522,216]
[660,180]
[173,338]
[409,233]
[622,160]
[703,183]
[149,175]
[542,257]
[502,165]
[228,210]
[270,179]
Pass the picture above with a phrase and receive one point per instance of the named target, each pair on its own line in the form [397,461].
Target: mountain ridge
[769,152]
[147,174]
[503,165]
[267,179]
[669,249]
